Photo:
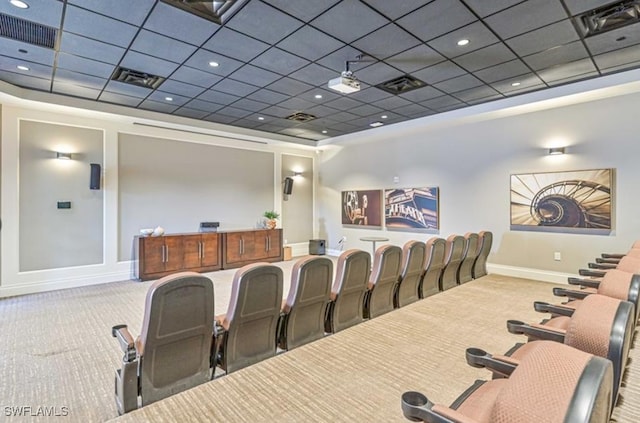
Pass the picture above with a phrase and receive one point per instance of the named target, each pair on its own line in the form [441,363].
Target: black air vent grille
[27,32]
[401,84]
[301,117]
[134,77]
[609,17]
[217,11]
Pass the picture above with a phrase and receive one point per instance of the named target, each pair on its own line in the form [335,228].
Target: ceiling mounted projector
[346,83]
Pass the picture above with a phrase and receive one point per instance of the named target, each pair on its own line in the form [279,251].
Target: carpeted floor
[57,351]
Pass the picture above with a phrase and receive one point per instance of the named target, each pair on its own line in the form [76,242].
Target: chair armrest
[607,260]
[601,266]
[592,273]
[611,255]
[480,359]
[588,283]
[542,307]
[538,332]
[127,344]
[570,293]
[417,407]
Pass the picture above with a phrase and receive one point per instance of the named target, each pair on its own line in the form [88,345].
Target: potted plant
[271,217]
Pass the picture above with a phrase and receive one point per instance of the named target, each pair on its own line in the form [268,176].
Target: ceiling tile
[230,86]
[173,86]
[321,111]
[118,87]
[26,81]
[122,99]
[310,43]
[314,74]
[201,58]
[157,45]
[67,77]
[391,103]
[173,22]
[41,55]
[446,102]
[296,104]
[386,41]
[289,86]
[251,105]
[370,94]
[337,59]
[233,44]
[190,113]
[118,9]
[268,96]
[439,72]
[303,9]
[523,81]
[234,112]
[195,77]
[366,110]
[161,97]
[525,17]
[75,90]
[220,118]
[579,68]
[344,103]
[276,111]
[142,62]
[377,73]
[416,58]
[484,8]
[90,67]
[280,25]
[421,94]
[44,12]
[395,9]
[349,20]
[218,97]
[614,40]
[544,38]
[343,117]
[279,61]
[580,6]
[255,76]
[91,49]
[459,83]
[566,53]
[427,23]
[205,106]
[477,33]
[99,27]
[411,110]
[477,93]
[250,122]
[36,70]
[502,71]
[485,57]
[619,59]
[481,100]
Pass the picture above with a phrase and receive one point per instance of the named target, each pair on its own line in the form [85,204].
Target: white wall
[471,162]
[297,209]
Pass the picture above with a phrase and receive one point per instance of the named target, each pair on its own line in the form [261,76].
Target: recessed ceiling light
[384,117]
[376,124]
[23,67]
[260,118]
[169,98]
[318,96]
[20,4]
[324,132]
[463,42]
[214,64]
[515,84]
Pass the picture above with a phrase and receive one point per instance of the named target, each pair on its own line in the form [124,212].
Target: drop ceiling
[275,57]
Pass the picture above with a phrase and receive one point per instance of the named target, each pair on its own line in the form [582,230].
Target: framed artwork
[563,201]
[362,208]
[411,209]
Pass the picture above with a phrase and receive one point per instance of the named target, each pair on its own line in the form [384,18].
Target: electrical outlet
[557,256]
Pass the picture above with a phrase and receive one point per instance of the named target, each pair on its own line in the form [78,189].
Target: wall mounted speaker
[94,181]
[288,186]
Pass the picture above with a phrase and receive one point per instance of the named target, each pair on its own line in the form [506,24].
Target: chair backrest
[556,383]
[629,264]
[307,301]
[603,326]
[452,259]
[470,254]
[383,280]
[252,316]
[634,252]
[349,287]
[485,239]
[413,258]
[434,262]
[175,341]
[623,286]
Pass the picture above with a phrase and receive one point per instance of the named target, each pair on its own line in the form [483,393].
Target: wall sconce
[63,156]
[555,151]
[297,174]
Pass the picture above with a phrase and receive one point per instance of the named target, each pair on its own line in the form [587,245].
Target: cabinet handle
[241,246]
[199,250]
[202,249]
[267,244]
[167,250]
[163,260]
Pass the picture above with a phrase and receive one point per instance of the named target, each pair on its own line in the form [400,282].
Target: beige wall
[297,210]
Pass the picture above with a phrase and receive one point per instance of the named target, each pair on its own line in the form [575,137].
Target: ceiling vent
[215,11]
[27,32]
[134,77]
[401,84]
[609,17]
[301,117]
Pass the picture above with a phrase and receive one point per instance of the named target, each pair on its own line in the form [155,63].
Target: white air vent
[609,17]
[27,32]
[301,117]
[216,11]
[401,85]
[134,77]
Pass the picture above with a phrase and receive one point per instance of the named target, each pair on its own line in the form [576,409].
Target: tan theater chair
[485,240]
[470,254]
[247,333]
[609,259]
[627,264]
[634,251]
[413,258]
[303,312]
[435,249]
[383,281]
[173,351]
[347,293]
[452,260]
[600,326]
[553,384]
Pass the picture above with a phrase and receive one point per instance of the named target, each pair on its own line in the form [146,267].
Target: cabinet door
[233,247]
[152,254]
[192,251]
[261,245]
[209,251]
[274,248]
[172,253]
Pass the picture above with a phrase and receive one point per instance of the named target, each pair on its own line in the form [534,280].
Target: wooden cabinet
[159,256]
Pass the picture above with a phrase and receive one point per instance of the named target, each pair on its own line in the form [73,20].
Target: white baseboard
[527,273]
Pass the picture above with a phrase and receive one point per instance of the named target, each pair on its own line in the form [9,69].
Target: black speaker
[94,181]
[288,186]
[316,246]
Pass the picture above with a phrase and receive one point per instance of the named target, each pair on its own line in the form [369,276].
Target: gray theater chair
[348,290]
[485,239]
[553,384]
[452,260]
[383,281]
[173,351]
[247,333]
[435,249]
[470,254]
[413,259]
[303,312]
[600,326]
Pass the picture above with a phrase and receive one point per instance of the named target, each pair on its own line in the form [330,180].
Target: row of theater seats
[177,350]
[572,367]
